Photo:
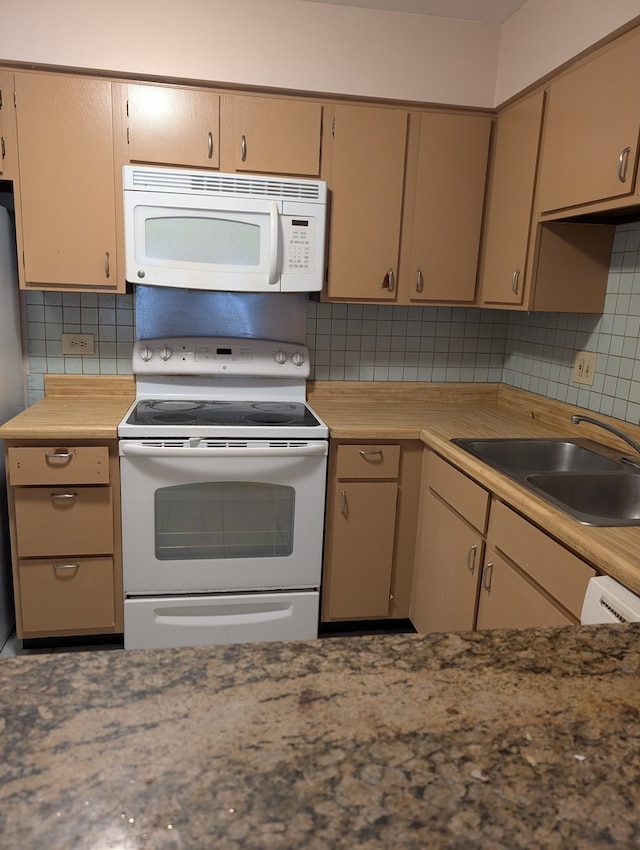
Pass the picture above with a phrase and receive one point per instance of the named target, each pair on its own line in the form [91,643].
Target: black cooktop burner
[220,413]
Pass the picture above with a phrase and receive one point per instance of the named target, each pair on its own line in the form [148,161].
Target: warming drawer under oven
[222,539]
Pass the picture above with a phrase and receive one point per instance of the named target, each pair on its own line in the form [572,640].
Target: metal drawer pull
[243,148]
[63,496]
[367,452]
[623,161]
[471,558]
[59,456]
[210,145]
[419,281]
[343,504]
[515,280]
[65,568]
[487,576]
[389,281]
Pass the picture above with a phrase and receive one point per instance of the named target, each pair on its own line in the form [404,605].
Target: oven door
[211,515]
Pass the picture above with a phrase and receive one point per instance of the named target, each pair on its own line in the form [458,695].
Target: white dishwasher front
[608,601]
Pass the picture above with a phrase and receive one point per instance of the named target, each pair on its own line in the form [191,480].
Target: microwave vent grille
[227,185]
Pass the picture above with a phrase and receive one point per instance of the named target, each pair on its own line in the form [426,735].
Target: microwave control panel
[300,241]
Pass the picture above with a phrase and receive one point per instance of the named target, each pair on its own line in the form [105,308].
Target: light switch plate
[584,367]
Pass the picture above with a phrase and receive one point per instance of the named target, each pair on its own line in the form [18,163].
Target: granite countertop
[501,739]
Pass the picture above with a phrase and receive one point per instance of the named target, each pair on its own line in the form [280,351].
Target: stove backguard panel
[165,312]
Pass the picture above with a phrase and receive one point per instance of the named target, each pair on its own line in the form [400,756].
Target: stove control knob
[165,353]
[146,354]
[297,358]
[280,356]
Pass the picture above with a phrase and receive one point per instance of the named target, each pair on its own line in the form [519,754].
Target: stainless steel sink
[543,455]
[604,498]
[583,478]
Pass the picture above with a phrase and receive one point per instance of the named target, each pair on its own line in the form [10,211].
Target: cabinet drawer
[466,497]
[64,521]
[368,461]
[58,465]
[553,567]
[66,594]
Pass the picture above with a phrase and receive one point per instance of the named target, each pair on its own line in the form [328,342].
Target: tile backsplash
[356,342]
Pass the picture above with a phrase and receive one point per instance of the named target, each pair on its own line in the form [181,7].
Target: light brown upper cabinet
[271,135]
[445,185]
[512,178]
[67,205]
[8,141]
[590,138]
[526,264]
[173,126]
[364,170]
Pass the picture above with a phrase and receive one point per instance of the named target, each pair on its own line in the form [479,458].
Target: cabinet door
[510,203]
[366,181]
[67,180]
[448,564]
[173,126]
[272,135]
[8,157]
[509,601]
[452,171]
[360,559]
[590,139]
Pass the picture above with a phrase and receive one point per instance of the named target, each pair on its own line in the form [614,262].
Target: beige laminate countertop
[75,407]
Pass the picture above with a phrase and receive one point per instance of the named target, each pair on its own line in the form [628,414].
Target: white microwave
[213,231]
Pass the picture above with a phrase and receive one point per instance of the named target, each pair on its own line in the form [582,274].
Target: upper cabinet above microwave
[590,137]
[202,129]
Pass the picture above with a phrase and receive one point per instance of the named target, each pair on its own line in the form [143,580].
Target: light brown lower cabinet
[64,514]
[516,577]
[370,525]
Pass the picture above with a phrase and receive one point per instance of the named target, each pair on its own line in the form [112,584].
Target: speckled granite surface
[477,740]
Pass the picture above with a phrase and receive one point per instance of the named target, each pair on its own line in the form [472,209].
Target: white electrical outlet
[78,344]
[584,367]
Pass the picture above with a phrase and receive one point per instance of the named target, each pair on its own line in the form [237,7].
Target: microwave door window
[214,242]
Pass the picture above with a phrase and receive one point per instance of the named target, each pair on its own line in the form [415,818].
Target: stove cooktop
[153,412]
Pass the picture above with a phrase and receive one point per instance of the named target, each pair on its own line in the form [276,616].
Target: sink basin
[603,499]
[542,455]
[582,478]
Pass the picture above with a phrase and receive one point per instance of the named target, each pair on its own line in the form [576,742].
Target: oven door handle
[303,450]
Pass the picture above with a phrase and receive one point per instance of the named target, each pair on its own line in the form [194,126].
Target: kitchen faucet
[575,420]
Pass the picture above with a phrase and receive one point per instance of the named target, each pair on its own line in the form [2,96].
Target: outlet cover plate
[78,344]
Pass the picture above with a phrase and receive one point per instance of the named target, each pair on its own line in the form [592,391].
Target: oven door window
[223,519]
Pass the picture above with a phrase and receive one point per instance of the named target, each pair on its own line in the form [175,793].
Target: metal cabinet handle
[64,568]
[60,456]
[243,148]
[471,558]
[343,504]
[4,153]
[419,281]
[210,145]
[515,281]
[63,496]
[487,575]
[368,452]
[623,161]
[107,271]
[389,281]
